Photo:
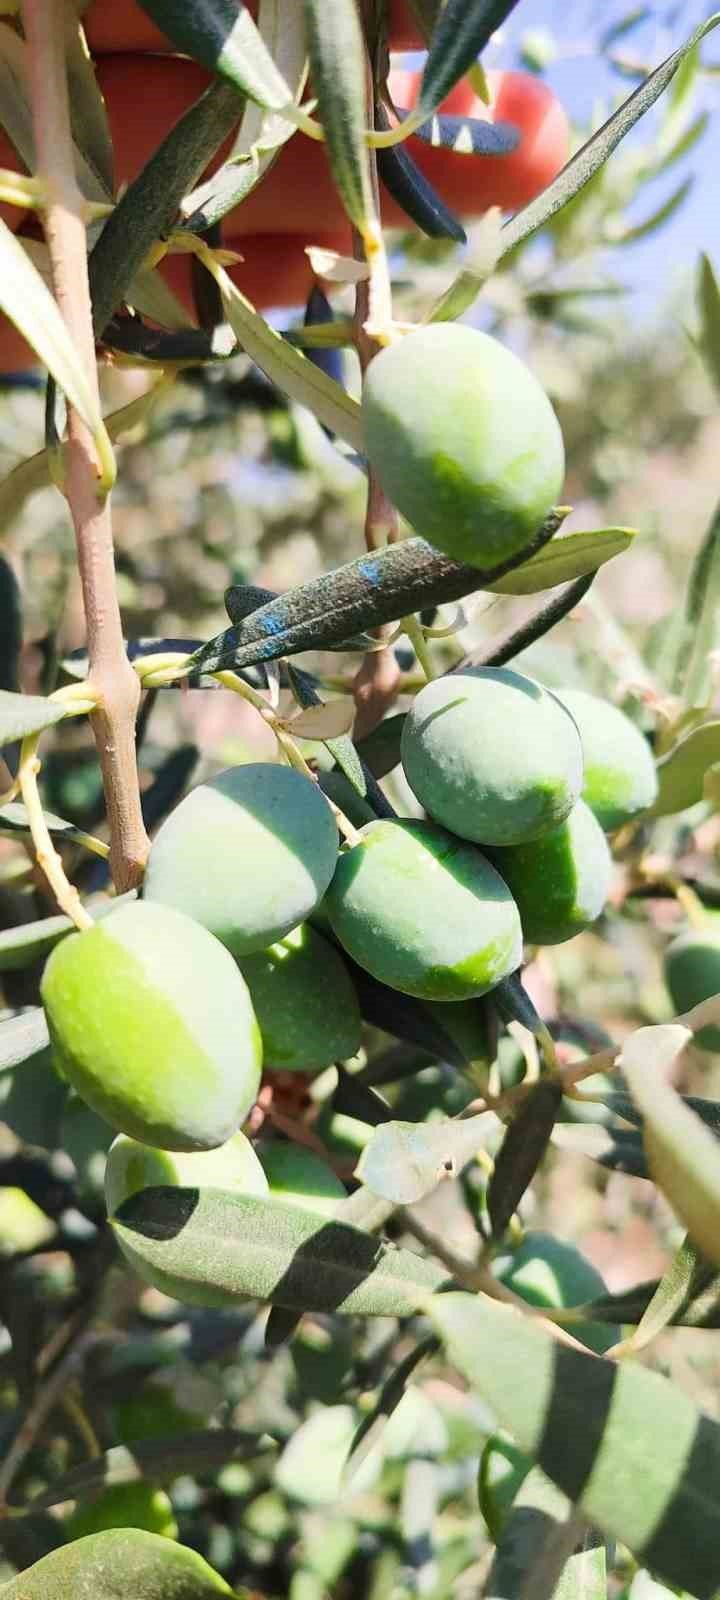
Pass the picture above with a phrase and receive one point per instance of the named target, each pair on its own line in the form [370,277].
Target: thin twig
[509,645]
[113,680]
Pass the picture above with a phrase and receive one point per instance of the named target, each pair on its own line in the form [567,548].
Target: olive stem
[89,461]
[46,855]
[415,632]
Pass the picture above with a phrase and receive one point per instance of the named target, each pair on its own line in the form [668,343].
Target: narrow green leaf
[693,668]
[404,1161]
[14,819]
[567,556]
[339,74]
[324,1439]
[671,1296]
[237,1245]
[288,368]
[157,1460]
[625,1445]
[681,773]
[91,128]
[650,224]
[379,587]
[373,1423]
[116,1564]
[595,152]
[148,209]
[19,947]
[28,303]
[410,188]
[538,1515]
[22,714]
[683,1155]
[521,1152]
[22,1036]
[461,32]
[380,750]
[478,266]
[708,298]
[224,38]
[261,135]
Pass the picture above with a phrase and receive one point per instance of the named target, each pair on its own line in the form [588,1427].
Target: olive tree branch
[114,683]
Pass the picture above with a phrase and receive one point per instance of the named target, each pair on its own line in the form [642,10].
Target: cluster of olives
[163,1014]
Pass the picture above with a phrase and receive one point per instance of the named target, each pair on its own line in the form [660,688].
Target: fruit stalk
[114,682]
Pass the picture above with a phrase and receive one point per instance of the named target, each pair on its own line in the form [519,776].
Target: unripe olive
[561,881]
[299,1177]
[424,912]
[248,855]
[463,440]
[304,1001]
[547,1271]
[152,1024]
[492,755]
[692,974]
[132,1166]
[124,1505]
[620,775]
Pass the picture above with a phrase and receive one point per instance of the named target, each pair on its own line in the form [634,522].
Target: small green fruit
[492,755]
[463,440]
[299,1177]
[118,1562]
[692,974]
[248,855]
[132,1166]
[152,1024]
[343,793]
[304,1001]
[547,1271]
[125,1505]
[424,912]
[620,776]
[560,882]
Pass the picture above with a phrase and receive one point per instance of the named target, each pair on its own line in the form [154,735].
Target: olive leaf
[649,1481]
[225,39]
[340,746]
[91,128]
[461,32]
[116,1564]
[409,187]
[404,1161]
[339,73]
[11,626]
[21,1037]
[708,299]
[28,303]
[326,721]
[521,1152]
[23,714]
[683,1155]
[681,773]
[20,946]
[567,556]
[383,586]
[539,1515]
[595,152]
[156,1460]
[240,1246]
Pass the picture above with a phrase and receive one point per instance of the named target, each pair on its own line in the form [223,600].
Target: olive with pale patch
[620,778]
[152,1024]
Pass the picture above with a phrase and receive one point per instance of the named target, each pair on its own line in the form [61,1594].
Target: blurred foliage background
[223,482]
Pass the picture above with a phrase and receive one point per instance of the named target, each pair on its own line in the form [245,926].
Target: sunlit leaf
[404,1161]
[224,38]
[338,65]
[22,714]
[22,1036]
[329,720]
[461,32]
[683,1156]
[626,1446]
[537,1517]
[567,556]
[27,302]
[116,1564]
[681,773]
[20,946]
[91,128]
[236,1245]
